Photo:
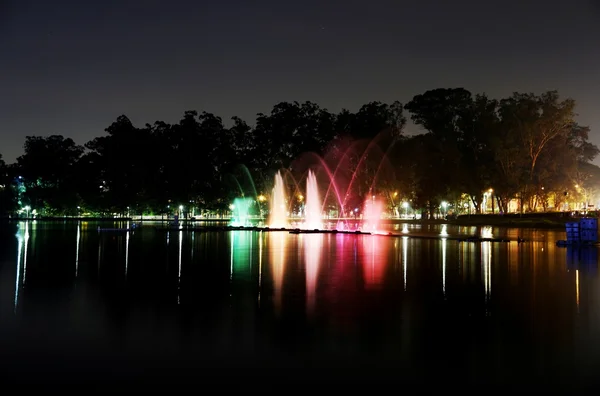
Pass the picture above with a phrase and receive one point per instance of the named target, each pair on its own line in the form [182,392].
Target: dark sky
[72,67]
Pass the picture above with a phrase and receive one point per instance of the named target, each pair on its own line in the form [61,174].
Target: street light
[27,208]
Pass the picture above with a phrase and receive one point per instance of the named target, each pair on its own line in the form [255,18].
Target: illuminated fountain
[368,220]
[241,212]
[372,215]
[278,217]
[312,211]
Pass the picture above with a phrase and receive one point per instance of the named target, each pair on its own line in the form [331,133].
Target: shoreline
[546,221]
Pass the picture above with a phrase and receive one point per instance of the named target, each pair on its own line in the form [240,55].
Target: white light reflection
[193,243]
[22,242]
[577,288]
[168,237]
[444,248]
[179,273]
[25,247]
[77,248]
[405,228]
[486,262]
[126,253]
[19,252]
[404,258]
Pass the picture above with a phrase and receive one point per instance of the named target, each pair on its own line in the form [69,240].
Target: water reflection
[486,263]
[277,246]
[404,260]
[22,246]
[360,299]
[444,249]
[77,243]
[260,263]
[178,265]
[127,254]
[313,244]
[577,288]
[375,259]
[242,255]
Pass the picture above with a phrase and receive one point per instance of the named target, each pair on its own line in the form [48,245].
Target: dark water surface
[242,308]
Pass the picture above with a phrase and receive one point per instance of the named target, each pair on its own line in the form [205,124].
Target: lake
[238,309]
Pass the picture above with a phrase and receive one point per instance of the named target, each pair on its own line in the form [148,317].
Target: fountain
[312,213]
[278,217]
[241,212]
[372,215]
[312,210]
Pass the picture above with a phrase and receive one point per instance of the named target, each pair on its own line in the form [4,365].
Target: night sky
[72,67]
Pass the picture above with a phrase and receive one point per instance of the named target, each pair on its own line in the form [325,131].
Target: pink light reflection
[375,259]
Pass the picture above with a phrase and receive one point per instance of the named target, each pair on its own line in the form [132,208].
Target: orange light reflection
[313,244]
[277,243]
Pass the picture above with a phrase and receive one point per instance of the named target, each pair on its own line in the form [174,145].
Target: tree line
[526,146]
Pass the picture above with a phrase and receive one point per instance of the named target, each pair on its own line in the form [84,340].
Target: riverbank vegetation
[526,148]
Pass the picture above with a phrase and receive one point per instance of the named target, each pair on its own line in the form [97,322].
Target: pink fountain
[369,220]
[372,215]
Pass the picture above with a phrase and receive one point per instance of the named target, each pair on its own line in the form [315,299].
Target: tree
[48,170]
[127,161]
[531,123]
[7,201]
[450,118]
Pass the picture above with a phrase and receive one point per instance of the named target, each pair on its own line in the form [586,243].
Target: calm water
[241,308]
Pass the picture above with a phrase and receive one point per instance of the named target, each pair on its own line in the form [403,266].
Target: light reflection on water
[341,285]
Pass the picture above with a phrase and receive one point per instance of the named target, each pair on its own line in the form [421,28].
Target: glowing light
[312,252]
[278,214]
[17,281]
[577,288]
[241,212]
[26,247]
[241,255]
[372,214]
[444,248]
[126,253]
[260,260]
[375,259]
[404,258]
[278,248]
[179,271]
[486,232]
[444,231]
[77,248]
[312,210]
[486,262]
